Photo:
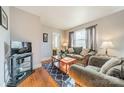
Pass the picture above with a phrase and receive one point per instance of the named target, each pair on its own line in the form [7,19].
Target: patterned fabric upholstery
[77,50]
[81,59]
[98,61]
[75,56]
[93,68]
[92,78]
[90,75]
[115,71]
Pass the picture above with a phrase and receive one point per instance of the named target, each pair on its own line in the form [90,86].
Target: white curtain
[56,40]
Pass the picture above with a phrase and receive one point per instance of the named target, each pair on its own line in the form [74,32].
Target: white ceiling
[66,17]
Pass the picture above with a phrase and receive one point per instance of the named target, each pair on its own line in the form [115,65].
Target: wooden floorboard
[39,78]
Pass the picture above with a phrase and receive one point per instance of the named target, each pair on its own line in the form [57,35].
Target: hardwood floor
[40,78]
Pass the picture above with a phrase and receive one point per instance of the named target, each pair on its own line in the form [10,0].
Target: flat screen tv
[18,47]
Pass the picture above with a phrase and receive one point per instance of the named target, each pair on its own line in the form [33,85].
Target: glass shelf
[21,67]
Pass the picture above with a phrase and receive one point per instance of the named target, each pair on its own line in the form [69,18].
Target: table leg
[52,61]
[59,64]
[66,68]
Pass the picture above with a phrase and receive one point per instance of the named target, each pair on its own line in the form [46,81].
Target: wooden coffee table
[63,63]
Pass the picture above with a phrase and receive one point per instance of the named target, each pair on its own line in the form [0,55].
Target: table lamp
[107,45]
[65,45]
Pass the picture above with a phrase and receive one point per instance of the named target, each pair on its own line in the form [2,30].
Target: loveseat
[81,59]
[90,75]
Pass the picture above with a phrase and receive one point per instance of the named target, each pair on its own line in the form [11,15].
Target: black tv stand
[21,67]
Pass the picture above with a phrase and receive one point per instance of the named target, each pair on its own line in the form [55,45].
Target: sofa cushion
[70,55]
[109,64]
[77,50]
[98,61]
[93,67]
[78,56]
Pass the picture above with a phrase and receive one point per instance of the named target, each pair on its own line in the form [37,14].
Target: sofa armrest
[85,60]
[89,77]
[98,61]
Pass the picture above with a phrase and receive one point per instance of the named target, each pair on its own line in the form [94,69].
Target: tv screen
[20,47]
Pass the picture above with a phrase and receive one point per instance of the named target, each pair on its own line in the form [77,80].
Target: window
[79,39]
[56,40]
[85,38]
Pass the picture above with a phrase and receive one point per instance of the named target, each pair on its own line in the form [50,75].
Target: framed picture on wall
[3,19]
[45,37]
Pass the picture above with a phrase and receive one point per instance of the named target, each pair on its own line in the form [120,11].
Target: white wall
[47,47]
[109,28]
[4,37]
[27,27]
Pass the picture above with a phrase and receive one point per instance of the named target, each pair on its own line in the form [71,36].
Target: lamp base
[106,53]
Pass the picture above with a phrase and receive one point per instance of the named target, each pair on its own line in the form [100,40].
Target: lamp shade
[65,44]
[107,44]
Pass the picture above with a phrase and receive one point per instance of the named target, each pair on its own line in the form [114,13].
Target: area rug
[60,77]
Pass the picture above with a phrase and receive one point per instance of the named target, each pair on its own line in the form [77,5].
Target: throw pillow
[115,71]
[70,50]
[109,64]
[122,70]
[77,50]
[84,52]
[91,53]
[100,52]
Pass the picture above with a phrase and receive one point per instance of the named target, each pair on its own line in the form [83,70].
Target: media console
[20,68]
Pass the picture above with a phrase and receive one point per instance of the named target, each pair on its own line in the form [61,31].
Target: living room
[99,29]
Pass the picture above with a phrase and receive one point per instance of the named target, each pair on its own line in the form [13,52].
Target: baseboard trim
[37,66]
[3,85]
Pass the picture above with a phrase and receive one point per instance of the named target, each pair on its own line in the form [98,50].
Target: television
[18,47]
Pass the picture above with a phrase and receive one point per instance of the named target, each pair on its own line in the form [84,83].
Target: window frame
[82,39]
[54,38]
